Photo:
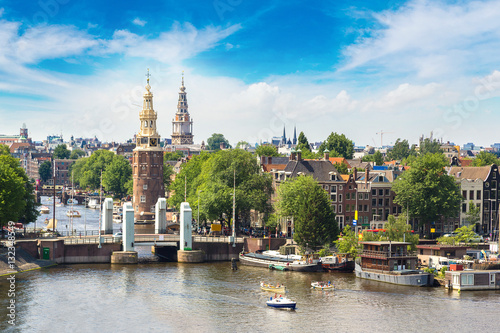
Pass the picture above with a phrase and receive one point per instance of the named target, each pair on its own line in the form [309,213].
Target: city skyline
[407,68]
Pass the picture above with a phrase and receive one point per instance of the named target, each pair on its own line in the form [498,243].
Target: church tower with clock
[147,165]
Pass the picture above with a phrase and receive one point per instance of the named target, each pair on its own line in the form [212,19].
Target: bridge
[147,239]
[64,196]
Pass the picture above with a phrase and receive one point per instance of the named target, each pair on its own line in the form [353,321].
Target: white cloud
[139,22]
[404,96]
[430,38]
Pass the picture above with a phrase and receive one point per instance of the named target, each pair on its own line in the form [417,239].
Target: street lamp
[199,209]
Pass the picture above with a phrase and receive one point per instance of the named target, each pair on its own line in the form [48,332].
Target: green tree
[401,150]
[17,200]
[428,146]
[484,158]
[397,230]
[45,171]
[61,152]
[338,145]
[302,143]
[116,175]
[309,205]
[267,150]
[87,171]
[473,215]
[427,191]
[168,171]
[378,158]
[342,168]
[4,149]
[348,242]
[172,156]
[215,140]
[76,154]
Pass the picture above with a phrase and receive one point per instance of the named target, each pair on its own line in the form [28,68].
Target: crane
[382,136]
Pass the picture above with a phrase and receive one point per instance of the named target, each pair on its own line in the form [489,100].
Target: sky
[254,68]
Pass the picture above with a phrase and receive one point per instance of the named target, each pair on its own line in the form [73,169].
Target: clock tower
[182,124]
[147,165]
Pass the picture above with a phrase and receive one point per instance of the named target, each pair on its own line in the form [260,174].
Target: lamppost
[199,191]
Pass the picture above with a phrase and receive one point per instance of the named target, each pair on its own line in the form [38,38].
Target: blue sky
[251,67]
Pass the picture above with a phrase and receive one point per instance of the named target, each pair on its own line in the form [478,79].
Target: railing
[387,254]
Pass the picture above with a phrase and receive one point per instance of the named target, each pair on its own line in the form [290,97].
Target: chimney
[367,174]
[355,174]
[299,155]
[270,160]
[327,155]
[292,155]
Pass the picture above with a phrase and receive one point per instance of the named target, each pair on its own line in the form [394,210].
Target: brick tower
[147,164]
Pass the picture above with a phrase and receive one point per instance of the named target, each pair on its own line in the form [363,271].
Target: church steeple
[182,124]
[148,137]
[294,135]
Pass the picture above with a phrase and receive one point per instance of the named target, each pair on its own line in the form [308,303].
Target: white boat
[281,302]
[117,218]
[279,288]
[73,213]
[59,204]
[322,285]
[44,210]
[275,260]
[93,203]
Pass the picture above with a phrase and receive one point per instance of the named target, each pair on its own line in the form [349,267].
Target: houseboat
[337,263]
[390,262]
[462,280]
[275,260]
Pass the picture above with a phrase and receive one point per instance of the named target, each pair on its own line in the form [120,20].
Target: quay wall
[218,251]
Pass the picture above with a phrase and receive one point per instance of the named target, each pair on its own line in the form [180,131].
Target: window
[340,209]
[333,197]
[478,195]
[386,191]
[334,207]
[381,202]
[374,202]
[340,197]
[374,192]
[145,186]
[464,207]
[143,198]
[367,196]
[326,187]
[360,208]
[464,194]
[352,208]
[347,208]
[334,188]
[471,195]
[467,280]
[380,192]
[365,208]
[348,196]
[493,184]
[152,209]
[340,187]
[360,196]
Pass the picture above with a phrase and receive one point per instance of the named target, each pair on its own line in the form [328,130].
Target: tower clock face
[152,141]
[144,140]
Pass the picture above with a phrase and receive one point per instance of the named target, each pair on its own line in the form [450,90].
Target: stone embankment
[24,262]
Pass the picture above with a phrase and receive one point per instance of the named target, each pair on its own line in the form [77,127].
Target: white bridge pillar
[161,216]
[128,227]
[186,239]
[107,216]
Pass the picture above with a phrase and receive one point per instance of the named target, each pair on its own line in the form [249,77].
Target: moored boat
[322,285]
[279,288]
[73,213]
[278,261]
[44,210]
[338,263]
[391,262]
[281,303]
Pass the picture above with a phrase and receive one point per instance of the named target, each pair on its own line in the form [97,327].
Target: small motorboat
[281,303]
[321,285]
[73,213]
[279,288]
[44,210]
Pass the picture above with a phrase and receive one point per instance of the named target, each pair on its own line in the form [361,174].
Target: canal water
[210,297]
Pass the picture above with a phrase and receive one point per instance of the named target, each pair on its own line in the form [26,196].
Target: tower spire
[182,124]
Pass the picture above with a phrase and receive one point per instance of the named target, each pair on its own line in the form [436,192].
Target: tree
[338,145]
[87,171]
[4,149]
[45,171]
[401,150]
[484,158]
[172,156]
[302,143]
[17,201]
[267,150]
[425,190]
[397,230]
[116,175]
[473,215]
[348,242]
[76,154]
[430,146]
[61,152]
[309,205]
[342,168]
[215,140]
[378,158]
[168,171]
[241,145]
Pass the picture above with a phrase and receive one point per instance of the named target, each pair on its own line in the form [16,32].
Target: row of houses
[370,192]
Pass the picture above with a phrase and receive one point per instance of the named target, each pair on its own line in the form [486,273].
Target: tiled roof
[470,172]
[319,169]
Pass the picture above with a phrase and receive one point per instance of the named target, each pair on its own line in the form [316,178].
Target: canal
[210,297]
